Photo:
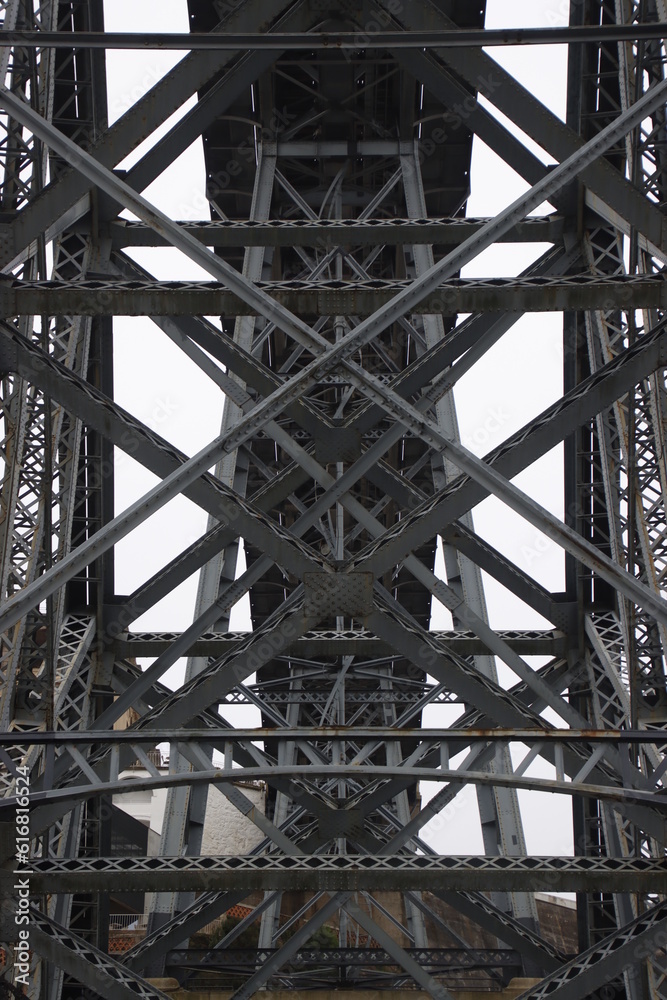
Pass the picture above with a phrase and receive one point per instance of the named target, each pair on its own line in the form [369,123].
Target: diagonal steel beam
[443,509]
[401,304]
[379,934]
[62,202]
[605,961]
[493,482]
[206,908]
[478,908]
[180,476]
[474,689]
[289,949]
[99,972]
[485,75]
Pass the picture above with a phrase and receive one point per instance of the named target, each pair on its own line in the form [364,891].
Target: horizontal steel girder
[326,234]
[321,733]
[435,959]
[330,40]
[100,297]
[347,873]
[331,643]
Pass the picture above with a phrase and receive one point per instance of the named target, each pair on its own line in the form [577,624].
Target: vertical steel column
[186,808]
[502,828]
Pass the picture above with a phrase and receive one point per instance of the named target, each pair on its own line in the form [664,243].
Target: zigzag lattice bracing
[404,633]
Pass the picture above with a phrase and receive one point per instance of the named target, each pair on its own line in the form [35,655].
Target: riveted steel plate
[338,594]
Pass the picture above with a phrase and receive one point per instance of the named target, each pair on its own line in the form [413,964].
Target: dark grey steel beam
[206,908]
[437,959]
[486,76]
[361,734]
[98,297]
[350,873]
[66,199]
[101,973]
[518,452]
[508,574]
[330,233]
[213,103]
[535,643]
[479,908]
[352,41]
[606,961]
[119,616]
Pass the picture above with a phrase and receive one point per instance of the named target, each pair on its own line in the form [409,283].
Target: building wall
[226,830]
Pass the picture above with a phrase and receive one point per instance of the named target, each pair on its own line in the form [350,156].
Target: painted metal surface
[337,162]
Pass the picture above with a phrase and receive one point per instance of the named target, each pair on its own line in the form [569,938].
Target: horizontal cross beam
[435,959]
[98,297]
[330,643]
[327,234]
[348,873]
[329,40]
[323,733]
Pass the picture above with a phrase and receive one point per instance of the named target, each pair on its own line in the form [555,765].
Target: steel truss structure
[337,141]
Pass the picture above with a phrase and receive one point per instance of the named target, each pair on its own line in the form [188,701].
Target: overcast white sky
[517,379]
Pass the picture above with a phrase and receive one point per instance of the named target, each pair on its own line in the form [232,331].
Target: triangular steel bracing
[333,292]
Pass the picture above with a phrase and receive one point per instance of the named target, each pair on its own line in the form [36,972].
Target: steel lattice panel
[337,178]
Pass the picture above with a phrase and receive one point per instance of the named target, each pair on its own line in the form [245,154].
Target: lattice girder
[339,474]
